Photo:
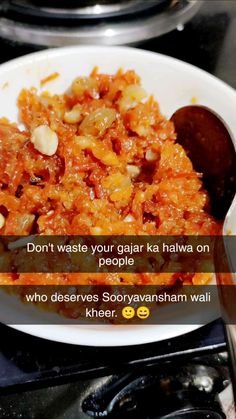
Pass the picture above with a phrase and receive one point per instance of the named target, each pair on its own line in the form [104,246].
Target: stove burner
[70,12]
[106,23]
[162,392]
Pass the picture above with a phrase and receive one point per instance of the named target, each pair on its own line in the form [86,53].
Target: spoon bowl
[210,145]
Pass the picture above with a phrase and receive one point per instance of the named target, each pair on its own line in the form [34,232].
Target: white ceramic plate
[172,82]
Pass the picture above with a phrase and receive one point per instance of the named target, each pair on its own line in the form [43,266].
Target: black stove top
[29,362]
[115,382]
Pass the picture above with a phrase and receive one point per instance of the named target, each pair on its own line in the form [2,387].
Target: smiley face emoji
[128,312]
[143,312]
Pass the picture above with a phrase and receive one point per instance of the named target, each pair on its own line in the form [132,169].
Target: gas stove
[102,22]
[185,377]
[169,379]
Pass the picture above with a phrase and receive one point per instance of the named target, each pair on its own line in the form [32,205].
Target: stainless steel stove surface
[186,377]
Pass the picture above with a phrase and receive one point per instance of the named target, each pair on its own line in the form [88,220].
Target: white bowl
[173,84]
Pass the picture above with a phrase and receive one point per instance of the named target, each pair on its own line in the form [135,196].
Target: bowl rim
[151,333]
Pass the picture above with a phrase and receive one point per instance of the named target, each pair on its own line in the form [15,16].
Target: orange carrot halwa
[100,159]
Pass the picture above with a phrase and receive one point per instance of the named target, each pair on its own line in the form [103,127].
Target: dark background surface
[207,41]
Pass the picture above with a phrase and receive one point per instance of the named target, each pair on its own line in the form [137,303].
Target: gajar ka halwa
[100,159]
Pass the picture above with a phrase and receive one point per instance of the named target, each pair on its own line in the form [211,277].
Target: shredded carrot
[49,78]
[117,170]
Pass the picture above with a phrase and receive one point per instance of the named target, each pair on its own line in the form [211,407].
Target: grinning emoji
[143,312]
[128,312]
